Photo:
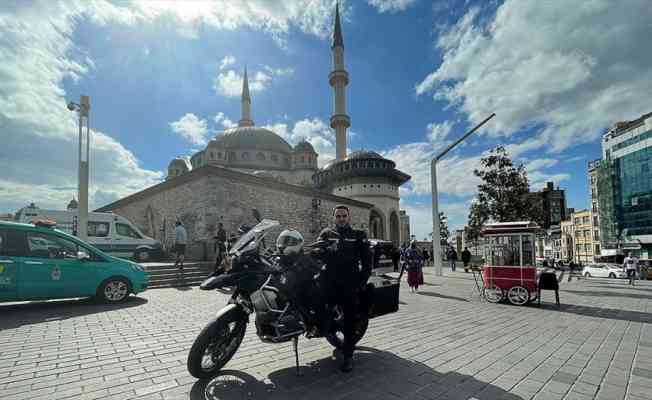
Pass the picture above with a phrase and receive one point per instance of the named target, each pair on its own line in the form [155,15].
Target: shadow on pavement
[377,375]
[441,296]
[607,294]
[598,312]
[16,315]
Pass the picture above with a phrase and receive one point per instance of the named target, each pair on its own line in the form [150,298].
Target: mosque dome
[304,147]
[251,138]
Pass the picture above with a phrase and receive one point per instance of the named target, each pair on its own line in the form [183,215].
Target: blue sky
[164,77]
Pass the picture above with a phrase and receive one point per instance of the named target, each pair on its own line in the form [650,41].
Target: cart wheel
[493,295]
[518,295]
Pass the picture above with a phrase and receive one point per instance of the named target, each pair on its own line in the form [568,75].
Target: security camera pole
[83,110]
[436,234]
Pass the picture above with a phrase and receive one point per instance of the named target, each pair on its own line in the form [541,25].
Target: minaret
[245,118]
[338,79]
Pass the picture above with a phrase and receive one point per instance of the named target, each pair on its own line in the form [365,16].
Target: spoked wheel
[336,336]
[518,295]
[493,295]
[215,346]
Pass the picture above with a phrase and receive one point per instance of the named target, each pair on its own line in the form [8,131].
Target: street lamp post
[436,234]
[83,110]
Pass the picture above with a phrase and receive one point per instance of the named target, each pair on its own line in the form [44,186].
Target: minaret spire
[245,118]
[338,79]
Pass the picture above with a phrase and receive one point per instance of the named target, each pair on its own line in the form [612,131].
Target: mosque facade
[362,179]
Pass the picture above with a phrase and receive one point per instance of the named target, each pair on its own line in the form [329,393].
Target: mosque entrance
[394,229]
[376,225]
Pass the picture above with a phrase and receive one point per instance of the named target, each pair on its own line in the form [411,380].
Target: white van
[108,232]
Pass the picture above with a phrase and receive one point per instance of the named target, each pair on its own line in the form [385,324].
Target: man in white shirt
[630,265]
[180,240]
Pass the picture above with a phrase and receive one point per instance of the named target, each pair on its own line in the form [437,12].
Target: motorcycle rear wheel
[215,346]
[336,337]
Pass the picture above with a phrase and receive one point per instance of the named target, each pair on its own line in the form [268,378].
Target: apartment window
[595,207]
[596,235]
[585,219]
[597,249]
[578,248]
[578,233]
[595,221]
[587,233]
[587,248]
[577,221]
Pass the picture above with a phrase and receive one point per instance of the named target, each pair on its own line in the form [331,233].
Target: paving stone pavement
[444,343]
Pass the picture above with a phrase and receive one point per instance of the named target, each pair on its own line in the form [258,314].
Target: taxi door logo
[56,273]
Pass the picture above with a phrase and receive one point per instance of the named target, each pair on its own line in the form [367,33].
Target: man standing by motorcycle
[343,276]
[220,245]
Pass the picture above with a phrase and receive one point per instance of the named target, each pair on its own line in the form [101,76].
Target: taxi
[40,262]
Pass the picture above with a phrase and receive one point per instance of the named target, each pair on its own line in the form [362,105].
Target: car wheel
[587,275]
[114,290]
[141,256]
[612,275]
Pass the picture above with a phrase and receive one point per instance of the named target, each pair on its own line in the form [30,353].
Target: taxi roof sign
[44,223]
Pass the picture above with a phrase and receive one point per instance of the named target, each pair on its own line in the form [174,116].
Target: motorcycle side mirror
[256,215]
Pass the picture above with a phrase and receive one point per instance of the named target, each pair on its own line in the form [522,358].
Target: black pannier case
[382,295]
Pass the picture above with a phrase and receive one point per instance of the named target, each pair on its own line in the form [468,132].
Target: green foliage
[504,194]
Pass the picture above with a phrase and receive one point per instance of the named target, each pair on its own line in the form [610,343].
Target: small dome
[304,147]
[73,205]
[364,154]
[180,163]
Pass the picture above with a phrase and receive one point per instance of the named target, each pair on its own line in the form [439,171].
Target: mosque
[362,179]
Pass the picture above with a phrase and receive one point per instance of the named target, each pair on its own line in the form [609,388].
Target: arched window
[219,155]
[245,156]
[260,157]
[212,155]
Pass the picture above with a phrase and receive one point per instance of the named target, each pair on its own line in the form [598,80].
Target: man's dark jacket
[349,248]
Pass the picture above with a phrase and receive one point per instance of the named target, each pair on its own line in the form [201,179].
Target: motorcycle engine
[275,321]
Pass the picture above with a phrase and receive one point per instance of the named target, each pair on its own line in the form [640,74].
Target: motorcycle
[260,285]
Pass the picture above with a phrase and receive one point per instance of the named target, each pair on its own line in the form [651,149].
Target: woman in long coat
[414,265]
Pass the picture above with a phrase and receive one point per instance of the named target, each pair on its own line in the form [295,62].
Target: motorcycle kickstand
[295,344]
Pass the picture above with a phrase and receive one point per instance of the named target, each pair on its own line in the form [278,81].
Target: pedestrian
[630,265]
[414,264]
[180,240]
[452,258]
[343,277]
[466,258]
[426,257]
[396,258]
[220,245]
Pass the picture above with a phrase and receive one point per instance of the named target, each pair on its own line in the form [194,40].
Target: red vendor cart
[509,272]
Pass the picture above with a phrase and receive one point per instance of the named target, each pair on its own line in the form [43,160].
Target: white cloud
[421,216]
[229,83]
[439,132]
[38,155]
[226,61]
[191,128]
[313,130]
[541,163]
[567,71]
[223,121]
[391,6]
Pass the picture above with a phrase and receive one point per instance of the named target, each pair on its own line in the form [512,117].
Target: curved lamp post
[436,234]
[83,110]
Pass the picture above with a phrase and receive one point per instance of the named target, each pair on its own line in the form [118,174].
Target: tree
[504,194]
[478,216]
[443,229]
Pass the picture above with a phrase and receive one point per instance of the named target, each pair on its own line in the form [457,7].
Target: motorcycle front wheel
[215,346]
[336,336]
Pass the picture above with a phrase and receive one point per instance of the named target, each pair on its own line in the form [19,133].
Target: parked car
[604,271]
[39,262]
[111,233]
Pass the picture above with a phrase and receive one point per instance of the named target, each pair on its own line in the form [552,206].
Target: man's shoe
[347,365]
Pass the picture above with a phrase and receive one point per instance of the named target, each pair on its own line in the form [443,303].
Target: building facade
[583,236]
[553,202]
[567,240]
[405,227]
[625,187]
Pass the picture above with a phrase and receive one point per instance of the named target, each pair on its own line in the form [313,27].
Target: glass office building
[625,186]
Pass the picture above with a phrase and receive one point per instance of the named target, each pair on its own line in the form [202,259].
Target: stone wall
[202,198]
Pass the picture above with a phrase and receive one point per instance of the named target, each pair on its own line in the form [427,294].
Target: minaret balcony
[338,76]
[340,120]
